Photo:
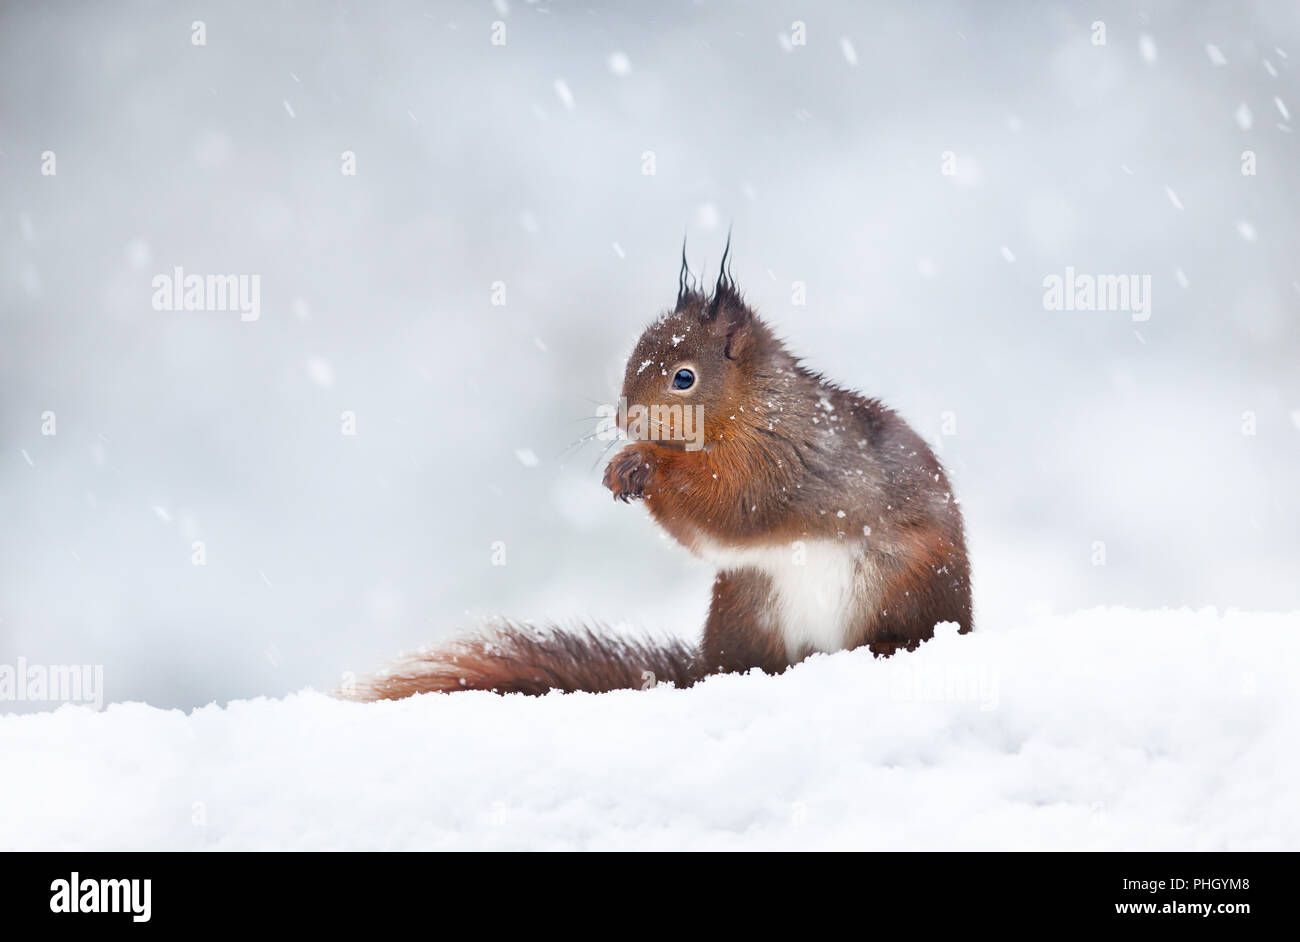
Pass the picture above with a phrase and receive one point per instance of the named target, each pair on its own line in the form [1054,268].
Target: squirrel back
[830,520]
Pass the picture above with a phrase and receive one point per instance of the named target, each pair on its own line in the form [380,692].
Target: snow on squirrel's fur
[1102,729]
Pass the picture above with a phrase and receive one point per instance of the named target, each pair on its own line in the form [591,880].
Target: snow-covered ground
[1103,729]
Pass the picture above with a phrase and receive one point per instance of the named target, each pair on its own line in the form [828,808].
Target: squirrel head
[692,380]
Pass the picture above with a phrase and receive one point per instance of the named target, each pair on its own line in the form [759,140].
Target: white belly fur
[814,584]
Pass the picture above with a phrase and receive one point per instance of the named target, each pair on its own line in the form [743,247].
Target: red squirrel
[831,522]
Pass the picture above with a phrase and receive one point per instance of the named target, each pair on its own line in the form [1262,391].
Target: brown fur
[785,452]
[514,658]
[786,457]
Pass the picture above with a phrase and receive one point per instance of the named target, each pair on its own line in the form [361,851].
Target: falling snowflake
[1147,47]
[565,96]
[320,371]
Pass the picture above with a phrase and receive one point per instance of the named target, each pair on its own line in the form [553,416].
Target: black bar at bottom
[598,893]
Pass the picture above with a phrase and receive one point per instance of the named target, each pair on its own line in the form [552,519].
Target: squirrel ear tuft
[688,292]
[727,310]
[726,297]
[727,307]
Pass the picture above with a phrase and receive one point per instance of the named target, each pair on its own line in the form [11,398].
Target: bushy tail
[514,658]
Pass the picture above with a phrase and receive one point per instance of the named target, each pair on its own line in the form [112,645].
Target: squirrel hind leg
[738,636]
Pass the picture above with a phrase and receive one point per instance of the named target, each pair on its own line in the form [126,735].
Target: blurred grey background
[523,163]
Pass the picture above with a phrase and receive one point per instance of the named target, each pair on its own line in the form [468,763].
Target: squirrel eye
[683,379]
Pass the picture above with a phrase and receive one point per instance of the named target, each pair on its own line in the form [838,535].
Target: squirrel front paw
[629,472]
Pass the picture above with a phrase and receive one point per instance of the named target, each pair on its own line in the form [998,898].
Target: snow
[1108,728]
[321,371]
[565,95]
[1147,48]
